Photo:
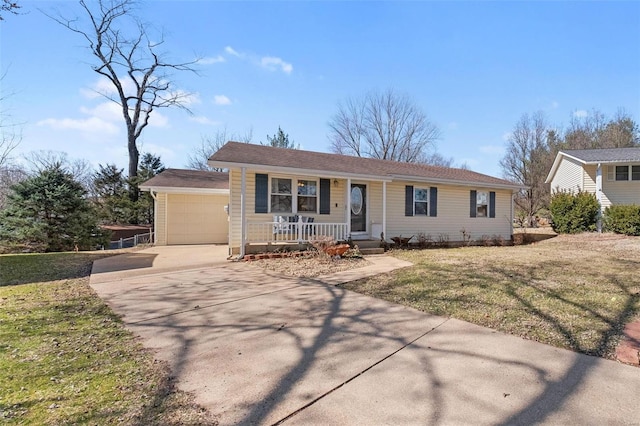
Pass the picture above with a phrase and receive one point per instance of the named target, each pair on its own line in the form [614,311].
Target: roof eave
[184,190]
[299,171]
[513,187]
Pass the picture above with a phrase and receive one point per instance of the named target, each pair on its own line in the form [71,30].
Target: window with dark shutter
[325,196]
[473,203]
[433,201]
[262,193]
[408,200]
[492,204]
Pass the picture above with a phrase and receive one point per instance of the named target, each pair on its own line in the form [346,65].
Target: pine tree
[49,212]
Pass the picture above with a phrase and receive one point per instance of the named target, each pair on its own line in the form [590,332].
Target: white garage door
[197,219]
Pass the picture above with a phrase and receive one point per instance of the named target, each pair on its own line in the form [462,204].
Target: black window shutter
[492,204]
[262,193]
[325,196]
[473,200]
[408,200]
[433,201]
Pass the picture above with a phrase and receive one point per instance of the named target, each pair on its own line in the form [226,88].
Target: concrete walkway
[257,348]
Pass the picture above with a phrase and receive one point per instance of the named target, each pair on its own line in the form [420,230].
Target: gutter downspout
[348,204]
[384,209]
[155,214]
[243,218]
[599,195]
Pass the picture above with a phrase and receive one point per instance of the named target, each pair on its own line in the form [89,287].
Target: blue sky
[473,67]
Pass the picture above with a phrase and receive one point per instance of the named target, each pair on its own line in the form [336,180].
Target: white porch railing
[294,232]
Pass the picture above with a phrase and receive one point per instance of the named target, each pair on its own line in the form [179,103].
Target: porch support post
[599,194]
[348,204]
[243,216]
[384,209]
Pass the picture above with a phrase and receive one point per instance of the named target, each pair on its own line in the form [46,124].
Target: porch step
[366,244]
[373,250]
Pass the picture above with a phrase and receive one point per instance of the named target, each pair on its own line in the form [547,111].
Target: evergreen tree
[49,212]
[150,165]
[111,189]
[281,140]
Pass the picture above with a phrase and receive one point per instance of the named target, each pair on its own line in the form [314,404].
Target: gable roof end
[595,156]
[180,180]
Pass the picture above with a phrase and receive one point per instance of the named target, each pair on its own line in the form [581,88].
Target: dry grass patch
[574,292]
[65,358]
[312,265]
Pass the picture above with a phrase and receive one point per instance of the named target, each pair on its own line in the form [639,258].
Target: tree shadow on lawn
[30,268]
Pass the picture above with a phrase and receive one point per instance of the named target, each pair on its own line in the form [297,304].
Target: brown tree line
[534,144]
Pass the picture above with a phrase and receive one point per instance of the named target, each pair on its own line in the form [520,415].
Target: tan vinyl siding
[337,203]
[160,224]
[453,214]
[568,177]
[375,203]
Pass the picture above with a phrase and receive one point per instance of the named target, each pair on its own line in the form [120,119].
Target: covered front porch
[279,211]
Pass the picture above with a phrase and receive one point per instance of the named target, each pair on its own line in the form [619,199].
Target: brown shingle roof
[179,178]
[236,153]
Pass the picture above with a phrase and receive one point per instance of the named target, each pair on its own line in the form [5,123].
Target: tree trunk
[133,167]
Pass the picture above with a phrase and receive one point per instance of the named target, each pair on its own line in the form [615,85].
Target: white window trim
[612,176]
[294,193]
[426,202]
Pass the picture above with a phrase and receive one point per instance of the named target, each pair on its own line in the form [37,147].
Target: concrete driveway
[256,348]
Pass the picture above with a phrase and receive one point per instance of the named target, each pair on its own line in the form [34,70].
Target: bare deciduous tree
[209,145]
[595,130]
[136,70]
[80,169]
[385,125]
[9,6]
[527,162]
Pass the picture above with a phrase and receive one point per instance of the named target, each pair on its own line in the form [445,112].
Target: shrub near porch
[575,292]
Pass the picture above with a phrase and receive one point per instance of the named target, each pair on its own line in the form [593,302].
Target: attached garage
[189,207]
[197,219]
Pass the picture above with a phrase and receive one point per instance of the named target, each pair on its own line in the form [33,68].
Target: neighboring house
[189,206]
[612,174]
[279,194]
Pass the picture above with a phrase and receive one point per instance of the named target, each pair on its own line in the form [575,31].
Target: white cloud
[210,60]
[231,51]
[452,125]
[221,100]
[158,120]
[580,113]
[555,104]
[272,63]
[200,119]
[491,149]
[108,111]
[91,124]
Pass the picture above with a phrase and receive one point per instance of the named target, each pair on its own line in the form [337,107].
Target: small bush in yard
[623,219]
[573,213]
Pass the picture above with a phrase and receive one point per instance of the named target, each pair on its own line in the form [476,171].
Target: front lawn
[574,292]
[65,358]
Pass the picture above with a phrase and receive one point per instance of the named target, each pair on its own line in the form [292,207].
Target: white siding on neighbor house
[568,177]
[453,214]
[337,203]
[589,177]
[160,224]
[620,192]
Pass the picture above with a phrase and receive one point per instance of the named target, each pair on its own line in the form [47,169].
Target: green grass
[65,358]
[572,292]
